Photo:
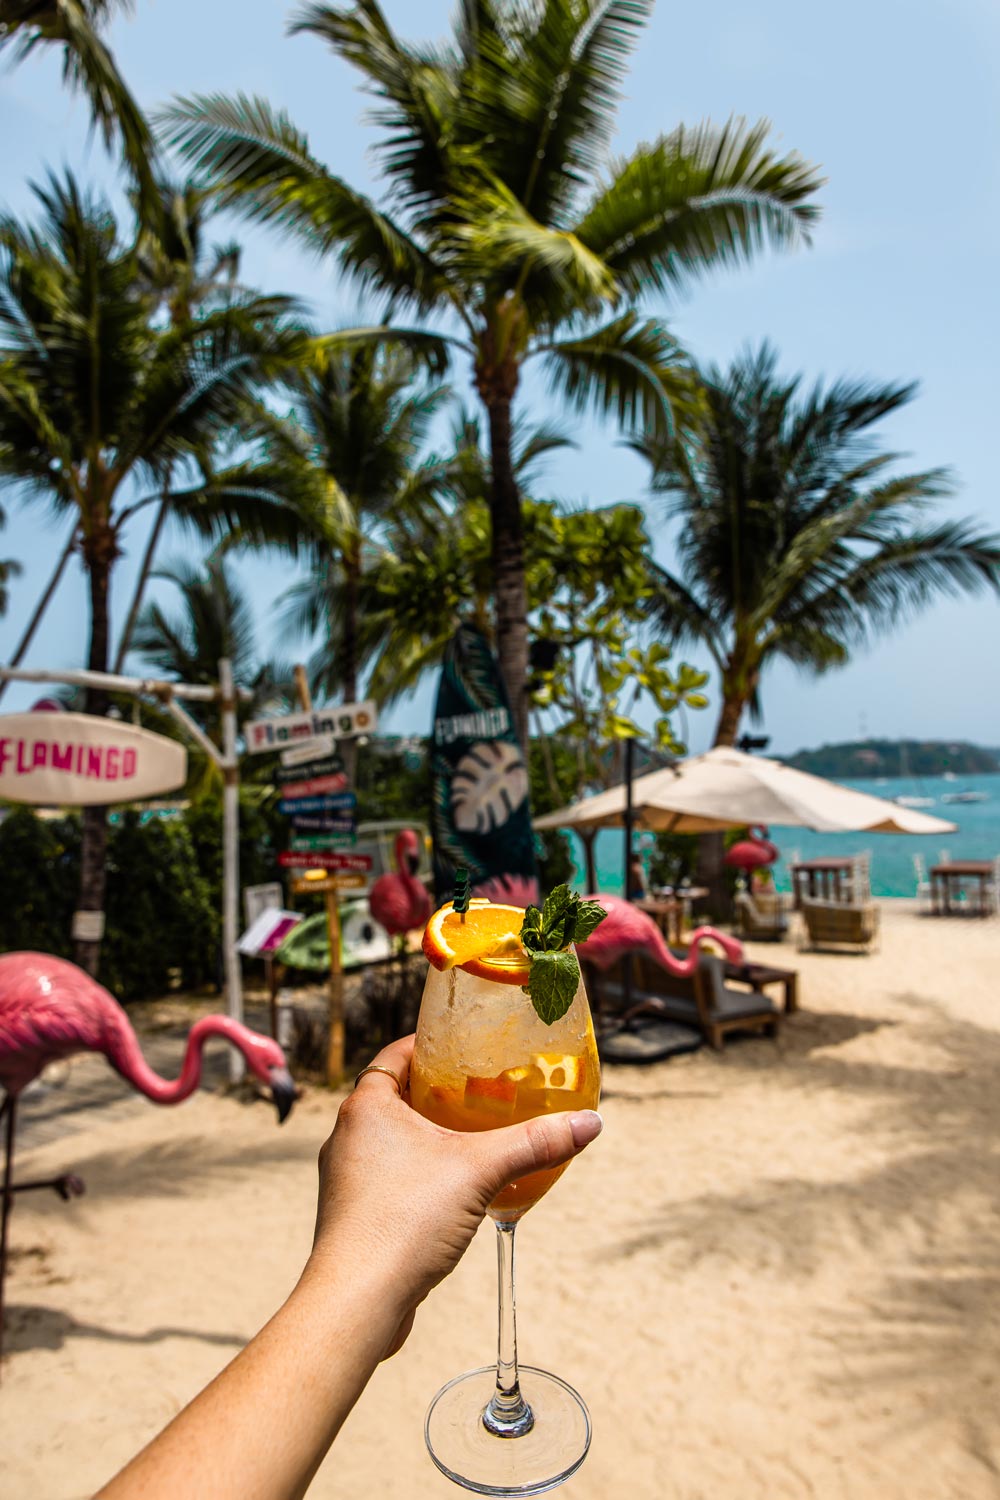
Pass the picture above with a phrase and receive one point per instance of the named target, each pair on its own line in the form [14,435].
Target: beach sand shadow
[933,1325]
[30,1326]
[179,1168]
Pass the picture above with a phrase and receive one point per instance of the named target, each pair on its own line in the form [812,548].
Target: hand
[400,1199]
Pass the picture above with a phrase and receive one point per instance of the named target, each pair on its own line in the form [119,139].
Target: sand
[776,1275]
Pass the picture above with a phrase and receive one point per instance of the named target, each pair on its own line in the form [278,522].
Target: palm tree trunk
[143,579]
[42,605]
[729,721]
[508,566]
[93,875]
[349,653]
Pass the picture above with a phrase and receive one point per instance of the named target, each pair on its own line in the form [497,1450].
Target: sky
[897,100]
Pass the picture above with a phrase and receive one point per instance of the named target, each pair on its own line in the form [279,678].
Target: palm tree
[216,620]
[424,572]
[505,220]
[178,269]
[100,398]
[798,539]
[88,66]
[354,439]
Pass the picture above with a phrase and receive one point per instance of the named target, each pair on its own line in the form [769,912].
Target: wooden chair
[924,893]
[704,1000]
[761,916]
[837,924]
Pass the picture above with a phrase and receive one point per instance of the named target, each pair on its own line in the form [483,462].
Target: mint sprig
[546,934]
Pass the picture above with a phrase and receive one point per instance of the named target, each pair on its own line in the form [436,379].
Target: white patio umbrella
[727,789]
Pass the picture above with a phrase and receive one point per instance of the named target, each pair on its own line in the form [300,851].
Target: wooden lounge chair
[704,1001]
[762,916]
[838,924]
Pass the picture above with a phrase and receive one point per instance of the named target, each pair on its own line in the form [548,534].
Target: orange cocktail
[484,1059]
[504,1036]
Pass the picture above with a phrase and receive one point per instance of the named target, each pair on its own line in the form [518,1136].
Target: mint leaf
[531,931]
[558,906]
[589,916]
[552,985]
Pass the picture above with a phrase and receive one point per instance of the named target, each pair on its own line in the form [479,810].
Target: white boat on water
[964,797]
[916,801]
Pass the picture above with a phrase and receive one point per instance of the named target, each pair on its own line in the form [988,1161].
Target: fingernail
[585,1127]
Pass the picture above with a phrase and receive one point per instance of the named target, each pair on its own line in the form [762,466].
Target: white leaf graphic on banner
[488,785]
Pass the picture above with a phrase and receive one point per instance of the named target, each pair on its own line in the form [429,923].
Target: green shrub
[162,923]
[39,875]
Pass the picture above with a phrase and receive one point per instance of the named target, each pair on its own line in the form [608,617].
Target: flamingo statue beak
[283,1092]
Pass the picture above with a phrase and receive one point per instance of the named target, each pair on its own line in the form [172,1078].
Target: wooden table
[759,975]
[829,879]
[947,880]
[669,912]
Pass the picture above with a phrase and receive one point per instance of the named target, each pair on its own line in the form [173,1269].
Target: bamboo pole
[112,682]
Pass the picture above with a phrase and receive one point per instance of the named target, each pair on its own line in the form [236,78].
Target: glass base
[464,1449]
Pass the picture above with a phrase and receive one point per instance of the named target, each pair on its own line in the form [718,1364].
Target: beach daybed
[704,1001]
[840,924]
[761,916]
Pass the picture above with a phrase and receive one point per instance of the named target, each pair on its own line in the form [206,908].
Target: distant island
[855,759]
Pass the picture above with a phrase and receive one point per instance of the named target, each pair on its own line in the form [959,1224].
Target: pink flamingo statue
[400,901]
[50,1009]
[626,929]
[752,853]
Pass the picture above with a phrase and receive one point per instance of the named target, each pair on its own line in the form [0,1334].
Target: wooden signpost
[316,796]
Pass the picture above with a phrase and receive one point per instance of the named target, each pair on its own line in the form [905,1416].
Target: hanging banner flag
[80,760]
[480,815]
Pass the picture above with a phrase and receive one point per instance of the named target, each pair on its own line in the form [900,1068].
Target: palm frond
[695,200]
[88,67]
[680,615]
[495,238]
[259,164]
[563,80]
[430,350]
[630,368]
[420,92]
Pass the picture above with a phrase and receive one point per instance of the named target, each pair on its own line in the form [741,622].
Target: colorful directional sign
[315,786]
[323,744]
[301,770]
[321,823]
[314,842]
[331,806]
[359,864]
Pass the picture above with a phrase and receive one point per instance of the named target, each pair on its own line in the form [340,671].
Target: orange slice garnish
[486,944]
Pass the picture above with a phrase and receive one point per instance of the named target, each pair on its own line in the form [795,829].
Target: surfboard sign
[80,760]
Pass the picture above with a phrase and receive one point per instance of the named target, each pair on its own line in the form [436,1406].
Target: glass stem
[507,1414]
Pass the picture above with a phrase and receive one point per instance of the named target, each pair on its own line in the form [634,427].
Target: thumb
[507,1154]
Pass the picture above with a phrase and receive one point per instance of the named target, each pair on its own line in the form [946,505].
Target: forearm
[264,1425]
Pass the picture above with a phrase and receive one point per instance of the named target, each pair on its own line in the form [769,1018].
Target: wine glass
[484,1059]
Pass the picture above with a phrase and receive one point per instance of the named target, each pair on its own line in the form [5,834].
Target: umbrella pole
[629,820]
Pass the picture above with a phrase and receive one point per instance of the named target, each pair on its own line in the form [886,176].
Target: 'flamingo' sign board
[79,760]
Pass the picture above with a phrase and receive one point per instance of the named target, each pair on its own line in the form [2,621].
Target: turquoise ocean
[892,873]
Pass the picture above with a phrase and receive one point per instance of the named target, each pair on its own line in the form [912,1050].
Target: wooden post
[231,860]
[335,1009]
